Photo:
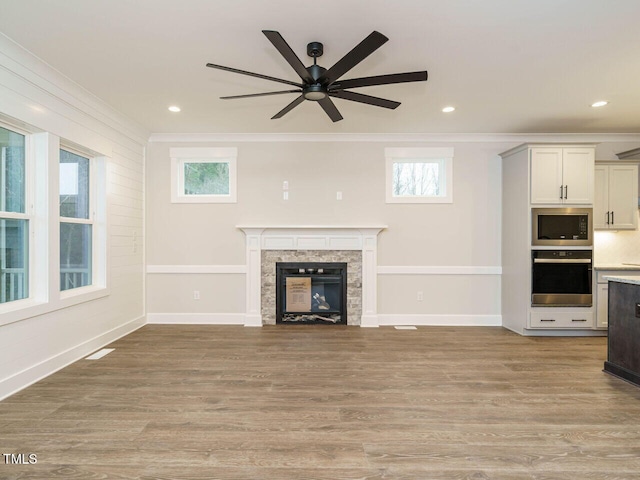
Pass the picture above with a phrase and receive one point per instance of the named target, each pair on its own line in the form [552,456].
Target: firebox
[311,292]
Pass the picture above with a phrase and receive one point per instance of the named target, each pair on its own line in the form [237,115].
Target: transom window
[419,175]
[203,175]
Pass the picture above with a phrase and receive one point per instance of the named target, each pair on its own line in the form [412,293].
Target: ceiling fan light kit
[319,84]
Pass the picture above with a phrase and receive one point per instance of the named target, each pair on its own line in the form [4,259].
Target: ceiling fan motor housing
[315,49]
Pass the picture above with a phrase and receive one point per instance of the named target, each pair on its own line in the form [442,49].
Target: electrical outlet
[338,195]
[196,294]
[285,185]
[285,195]
[420,296]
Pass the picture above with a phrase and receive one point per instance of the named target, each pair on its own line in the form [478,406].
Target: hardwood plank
[318,402]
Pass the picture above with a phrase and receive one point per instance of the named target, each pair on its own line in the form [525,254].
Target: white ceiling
[508,66]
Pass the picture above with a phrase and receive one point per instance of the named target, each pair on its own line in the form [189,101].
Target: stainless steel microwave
[562,227]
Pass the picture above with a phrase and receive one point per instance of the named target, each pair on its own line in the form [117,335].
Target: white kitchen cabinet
[615,204]
[562,175]
[602,305]
[564,318]
[535,172]
[602,292]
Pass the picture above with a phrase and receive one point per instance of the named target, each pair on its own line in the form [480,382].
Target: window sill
[417,199]
[24,309]
[203,199]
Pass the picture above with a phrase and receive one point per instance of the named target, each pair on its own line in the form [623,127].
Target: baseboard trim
[440,320]
[31,375]
[198,318]
[370,321]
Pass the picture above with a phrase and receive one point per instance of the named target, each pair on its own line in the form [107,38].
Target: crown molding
[36,82]
[393,137]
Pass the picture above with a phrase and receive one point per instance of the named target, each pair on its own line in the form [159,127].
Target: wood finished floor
[329,403]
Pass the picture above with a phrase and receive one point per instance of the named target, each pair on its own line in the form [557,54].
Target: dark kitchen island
[623,357]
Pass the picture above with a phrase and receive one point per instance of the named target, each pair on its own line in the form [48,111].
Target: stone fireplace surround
[266,245]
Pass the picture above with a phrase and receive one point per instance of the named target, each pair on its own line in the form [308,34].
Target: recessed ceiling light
[448,109]
[174,109]
[601,103]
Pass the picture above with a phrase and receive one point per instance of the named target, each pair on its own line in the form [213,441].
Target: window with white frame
[76,221]
[203,175]
[15,217]
[39,175]
[419,175]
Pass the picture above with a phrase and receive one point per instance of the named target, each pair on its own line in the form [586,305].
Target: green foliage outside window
[210,178]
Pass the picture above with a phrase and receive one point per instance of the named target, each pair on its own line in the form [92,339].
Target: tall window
[14,218]
[419,175]
[76,221]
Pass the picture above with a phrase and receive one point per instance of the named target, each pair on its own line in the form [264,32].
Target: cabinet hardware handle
[565,191]
[547,319]
[608,218]
[578,319]
[612,218]
[560,192]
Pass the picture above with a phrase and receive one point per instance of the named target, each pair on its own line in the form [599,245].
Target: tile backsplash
[610,247]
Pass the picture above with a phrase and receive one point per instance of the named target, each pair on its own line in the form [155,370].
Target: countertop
[617,266]
[632,279]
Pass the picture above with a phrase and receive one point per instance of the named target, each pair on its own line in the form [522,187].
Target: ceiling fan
[319,84]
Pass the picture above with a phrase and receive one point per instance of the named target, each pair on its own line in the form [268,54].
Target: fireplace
[355,246]
[311,292]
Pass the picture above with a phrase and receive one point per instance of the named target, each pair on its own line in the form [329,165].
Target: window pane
[12,171]
[14,260]
[210,178]
[418,179]
[75,255]
[74,185]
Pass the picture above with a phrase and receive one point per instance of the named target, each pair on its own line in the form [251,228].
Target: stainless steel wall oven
[561,278]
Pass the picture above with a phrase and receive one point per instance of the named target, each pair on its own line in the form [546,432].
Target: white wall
[33,93]
[449,252]
[465,233]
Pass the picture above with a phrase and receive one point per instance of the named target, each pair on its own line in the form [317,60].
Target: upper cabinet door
[577,174]
[562,175]
[546,175]
[601,214]
[623,194]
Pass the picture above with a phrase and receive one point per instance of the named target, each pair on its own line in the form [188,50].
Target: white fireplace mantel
[312,237]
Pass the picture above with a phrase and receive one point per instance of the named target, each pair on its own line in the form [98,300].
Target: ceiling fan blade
[368,99]
[380,80]
[285,50]
[251,74]
[260,94]
[361,51]
[289,107]
[330,109]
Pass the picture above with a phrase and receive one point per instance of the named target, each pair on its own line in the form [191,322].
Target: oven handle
[562,260]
